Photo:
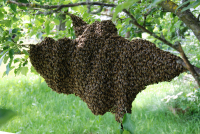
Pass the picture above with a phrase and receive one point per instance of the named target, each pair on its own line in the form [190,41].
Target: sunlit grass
[152,116]
[42,111]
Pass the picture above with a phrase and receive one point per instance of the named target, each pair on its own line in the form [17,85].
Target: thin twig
[144,24]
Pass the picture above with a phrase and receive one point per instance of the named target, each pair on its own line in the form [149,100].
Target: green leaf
[16,60]
[152,11]
[193,5]
[25,52]
[74,1]
[23,1]
[85,15]
[162,14]
[5,59]
[118,9]
[13,7]
[125,5]
[17,71]
[24,8]
[41,20]
[1,15]
[196,4]
[16,38]
[184,3]
[33,70]
[127,21]
[6,48]
[8,68]
[139,35]
[39,35]
[154,3]
[11,53]
[37,22]
[4,73]
[15,30]
[4,53]
[56,21]
[6,115]
[20,42]
[47,27]
[157,21]
[68,24]
[128,123]
[25,63]
[24,70]
[7,23]
[150,28]
[1,29]
[34,31]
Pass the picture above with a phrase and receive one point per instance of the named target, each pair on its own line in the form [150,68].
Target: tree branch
[134,21]
[60,6]
[186,64]
[187,17]
[168,5]
[186,61]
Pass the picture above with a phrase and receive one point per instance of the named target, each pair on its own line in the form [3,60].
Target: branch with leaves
[167,5]
[186,16]
[194,71]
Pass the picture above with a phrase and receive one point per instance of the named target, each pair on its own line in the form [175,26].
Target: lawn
[42,111]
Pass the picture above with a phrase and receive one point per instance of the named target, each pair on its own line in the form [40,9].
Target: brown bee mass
[102,68]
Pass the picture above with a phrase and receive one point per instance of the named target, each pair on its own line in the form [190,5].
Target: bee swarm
[102,68]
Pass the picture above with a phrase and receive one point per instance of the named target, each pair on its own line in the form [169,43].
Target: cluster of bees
[104,69]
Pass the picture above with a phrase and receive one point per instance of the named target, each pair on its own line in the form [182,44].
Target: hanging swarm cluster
[103,69]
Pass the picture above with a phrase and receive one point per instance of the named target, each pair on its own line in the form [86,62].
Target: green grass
[42,111]
[152,116]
